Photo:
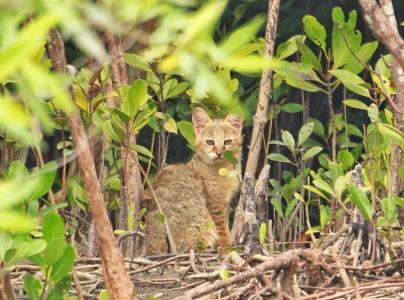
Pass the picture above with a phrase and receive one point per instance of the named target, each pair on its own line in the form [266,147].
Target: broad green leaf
[187,131]
[32,286]
[308,57]
[342,35]
[316,191]
[346,158]
[262,233]
[170,125]
[374,141]
[323,185]
[365,52]
[54,251]
[53,227]
[351,81]
[289,47]
[361,201]
[103,295]
[177,90]
[137,62]
[137,96]
[355,104]
[201,21]
[111,133]
[60,288]
[312,152]
[142,150]
[340,185]
[64,265]
[241,35]
[46,177]
[13,193]
[6,242]
[290,207]
[305,132]
[229,156]
[279,157]
[15,120]
[391,133]
[373,113]
[389,210]
[277,206]
[16,222]
[314,30]
[292,107]
[288,139]
[325,215]
[26,44]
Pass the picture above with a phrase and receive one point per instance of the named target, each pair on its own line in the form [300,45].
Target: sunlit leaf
[170,125]
[15,222]
[314,30]
[305,132]
[355,104]
[142,150]
[187,131]
[312,152]
[361,201]
[279,158]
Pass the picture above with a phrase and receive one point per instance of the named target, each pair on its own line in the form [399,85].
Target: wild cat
[193,197]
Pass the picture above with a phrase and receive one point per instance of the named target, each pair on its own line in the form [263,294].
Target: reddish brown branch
[116,277]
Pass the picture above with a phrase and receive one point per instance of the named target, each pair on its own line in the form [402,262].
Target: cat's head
[213,137]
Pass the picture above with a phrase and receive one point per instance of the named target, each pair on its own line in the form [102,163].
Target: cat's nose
[219,154]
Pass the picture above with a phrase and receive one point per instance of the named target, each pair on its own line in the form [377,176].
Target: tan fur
[193,196]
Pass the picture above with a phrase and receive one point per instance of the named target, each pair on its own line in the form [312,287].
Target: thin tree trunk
[131,190]
[116,277]
[260,118]
[382,22]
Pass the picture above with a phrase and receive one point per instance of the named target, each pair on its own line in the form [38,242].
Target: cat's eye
[210,142]
[227,142]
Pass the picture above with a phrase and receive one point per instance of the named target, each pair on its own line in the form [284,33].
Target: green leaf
[161,218]
[351,81]
[137,97]
[314,30]
[279,157]
[46,178]
[170,125]
[229,156]
[361,201]
[54,251]
[16,222]
[60,288]
[308,57]
[288,139]
[290,207]
[391,133]
[365,52]
[53,227]
[26,44]
[340,185]
[103,295]
[305,132]
[177,90]
[262,232]
[111,133]
[289,47]
[137,62]
[32,286]
[142,150]
[346,158]
[277,206]
[323,185]
[316,191]
[312,152]
[6,242]
[292,107]
[14,120]
[64,265]
[241,35]
[201,21]
[355,104]
[187,131]
[389,210]
[224,274]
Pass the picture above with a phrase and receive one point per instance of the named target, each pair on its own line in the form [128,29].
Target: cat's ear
[235,120]
[200,119]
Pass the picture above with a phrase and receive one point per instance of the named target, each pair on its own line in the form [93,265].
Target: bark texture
[260,117]
[117,280]
[383,24]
